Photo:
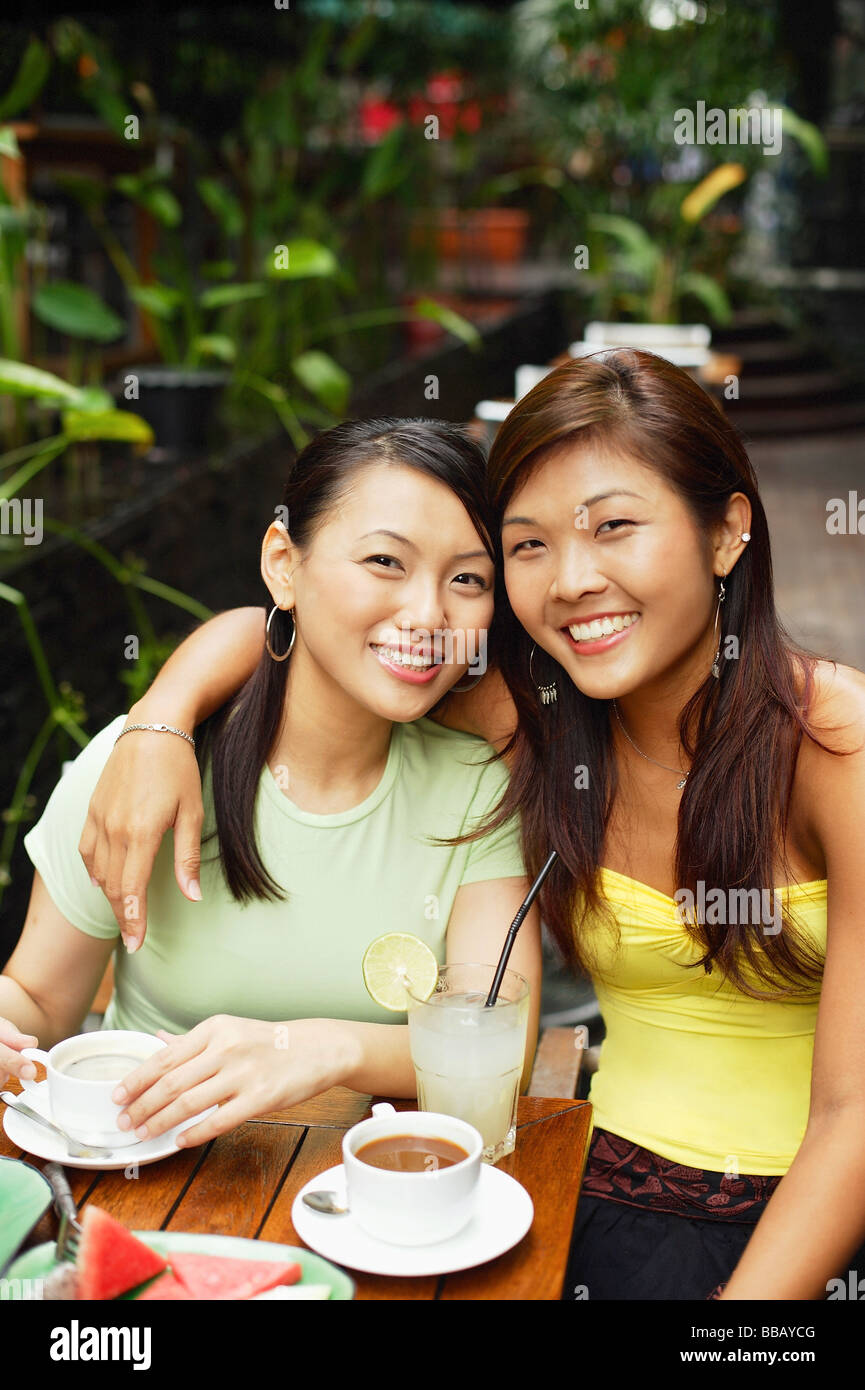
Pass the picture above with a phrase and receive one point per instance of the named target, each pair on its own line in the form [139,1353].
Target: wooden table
[244,1184]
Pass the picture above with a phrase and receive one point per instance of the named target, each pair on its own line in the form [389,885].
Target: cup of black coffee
[412,1176]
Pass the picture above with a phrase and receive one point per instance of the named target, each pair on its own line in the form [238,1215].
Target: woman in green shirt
[327,790]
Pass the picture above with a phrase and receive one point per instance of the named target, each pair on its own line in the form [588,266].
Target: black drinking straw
[514,928]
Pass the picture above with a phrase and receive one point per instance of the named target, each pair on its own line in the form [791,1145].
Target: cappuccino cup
[82,1073]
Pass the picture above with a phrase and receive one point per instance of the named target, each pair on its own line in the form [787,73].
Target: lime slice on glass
[395,961]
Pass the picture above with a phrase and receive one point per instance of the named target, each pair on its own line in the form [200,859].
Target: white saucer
[41,1142]
[504,1214]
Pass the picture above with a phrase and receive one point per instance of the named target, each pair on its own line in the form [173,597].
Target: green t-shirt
[349,877]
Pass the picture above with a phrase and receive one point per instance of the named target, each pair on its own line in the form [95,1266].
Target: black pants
[625,1252]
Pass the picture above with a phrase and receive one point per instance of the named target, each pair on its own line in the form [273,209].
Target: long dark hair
[238,738]
[742,732]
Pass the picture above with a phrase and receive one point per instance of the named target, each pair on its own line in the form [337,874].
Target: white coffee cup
[412,1208]
[82,1104]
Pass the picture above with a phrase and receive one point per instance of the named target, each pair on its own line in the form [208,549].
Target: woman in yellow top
[704,784]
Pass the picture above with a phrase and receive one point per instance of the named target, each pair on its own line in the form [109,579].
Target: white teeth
[602,627]
[404,658]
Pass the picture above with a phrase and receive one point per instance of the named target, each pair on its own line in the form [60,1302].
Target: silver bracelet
[156,729]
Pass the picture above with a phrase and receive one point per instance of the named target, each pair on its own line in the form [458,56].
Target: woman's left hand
[243,1065]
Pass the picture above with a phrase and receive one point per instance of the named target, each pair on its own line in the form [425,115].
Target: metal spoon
[325,1202]
[74,1148]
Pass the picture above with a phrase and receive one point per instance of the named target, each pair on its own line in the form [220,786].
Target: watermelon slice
[110,1259]
[164,1288]
[221,1276]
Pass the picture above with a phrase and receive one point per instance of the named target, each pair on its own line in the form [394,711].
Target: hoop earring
[716,670]
[464,689]
[287,652]
[547,693]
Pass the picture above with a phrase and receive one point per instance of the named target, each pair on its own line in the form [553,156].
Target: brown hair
[742,731]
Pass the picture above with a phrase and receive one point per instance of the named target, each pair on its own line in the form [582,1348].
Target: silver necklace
[683,775]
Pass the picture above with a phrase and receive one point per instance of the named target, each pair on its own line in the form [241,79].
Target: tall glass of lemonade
[469,1059]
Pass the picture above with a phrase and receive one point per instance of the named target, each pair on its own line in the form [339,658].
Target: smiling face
[607,570]
[393,596]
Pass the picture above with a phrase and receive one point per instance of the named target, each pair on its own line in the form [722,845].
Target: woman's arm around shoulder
[487,711]
[151,781]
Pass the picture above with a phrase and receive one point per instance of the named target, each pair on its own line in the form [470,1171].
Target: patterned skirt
[649,1227]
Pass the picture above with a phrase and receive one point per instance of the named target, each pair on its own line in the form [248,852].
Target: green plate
[25,1196]
[38,1262]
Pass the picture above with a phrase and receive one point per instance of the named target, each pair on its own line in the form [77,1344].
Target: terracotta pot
[500,234]
[477,234]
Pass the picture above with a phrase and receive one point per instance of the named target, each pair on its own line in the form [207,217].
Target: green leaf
[78,311]
[158,200]
[90,193]
[503,185]
[640,254]
[93,400]
[323,378]
[709,293]
[9,143]
[449,319]
[357,42]
[300,259]
[112,108]
[218,270]
[809,138]
[385,169]
[218,296]
[110,424]
[28,81]
[20,379]
[23,218]
[159,300]
[215,345]
[225,207]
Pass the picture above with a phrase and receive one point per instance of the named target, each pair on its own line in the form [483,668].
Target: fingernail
[142,1131]
[28,1071]
[130,942]
[94,881]
[124,1122]
[119,1095]
[195,889]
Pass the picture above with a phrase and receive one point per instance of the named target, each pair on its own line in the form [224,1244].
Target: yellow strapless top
[691,1067]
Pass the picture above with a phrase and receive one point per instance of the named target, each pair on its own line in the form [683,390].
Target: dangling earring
[548,693]
[287,652]
[716,671]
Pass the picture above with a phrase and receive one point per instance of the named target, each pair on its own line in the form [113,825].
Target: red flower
[377,118]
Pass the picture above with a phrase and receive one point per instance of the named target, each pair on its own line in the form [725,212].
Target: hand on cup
[12,1043]
[82,1073]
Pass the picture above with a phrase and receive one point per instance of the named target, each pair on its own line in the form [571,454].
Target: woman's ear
[279,559]
[728,540]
